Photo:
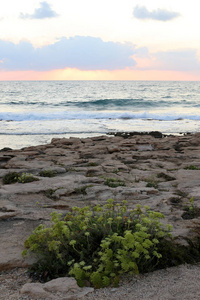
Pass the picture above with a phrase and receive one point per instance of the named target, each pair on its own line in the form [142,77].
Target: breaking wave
[73,115]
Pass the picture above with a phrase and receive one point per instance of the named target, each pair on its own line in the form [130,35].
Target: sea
[34,112]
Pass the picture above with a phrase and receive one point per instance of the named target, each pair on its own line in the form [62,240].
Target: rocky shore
[162,172]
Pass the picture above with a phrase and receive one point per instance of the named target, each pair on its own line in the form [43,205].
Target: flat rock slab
[13,233]
[163,173]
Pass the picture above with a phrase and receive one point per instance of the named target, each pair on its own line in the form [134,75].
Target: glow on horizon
[75,74]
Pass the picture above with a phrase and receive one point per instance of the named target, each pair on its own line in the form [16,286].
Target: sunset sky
[100,40]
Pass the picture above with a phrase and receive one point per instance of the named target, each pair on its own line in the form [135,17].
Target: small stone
[35,290]
[63,288]
[62,284]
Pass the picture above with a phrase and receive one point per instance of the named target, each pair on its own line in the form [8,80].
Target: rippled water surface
[32,112]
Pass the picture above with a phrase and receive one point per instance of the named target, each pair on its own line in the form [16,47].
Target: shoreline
[17,142]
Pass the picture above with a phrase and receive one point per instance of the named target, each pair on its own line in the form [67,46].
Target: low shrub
[25,178]
[182,194]
[13,177]
[50,193]
[166,176]
[92,164]
[112,182]
[48,173]
[82,189]
[152,183]
[191,167]
[191,211]
[97,245]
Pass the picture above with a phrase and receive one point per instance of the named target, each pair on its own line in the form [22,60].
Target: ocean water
[33,112]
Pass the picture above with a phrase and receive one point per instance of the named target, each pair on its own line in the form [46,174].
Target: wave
[52,133]
[73,115]
[106,103]
[112,103]
[166,97]
[21,102]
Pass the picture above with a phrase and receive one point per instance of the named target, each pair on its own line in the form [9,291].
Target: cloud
[179,60]
[141,12]
[83,53]
[90,54]
[183,60]
[43,12]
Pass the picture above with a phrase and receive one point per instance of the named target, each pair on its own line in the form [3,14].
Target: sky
[100,40]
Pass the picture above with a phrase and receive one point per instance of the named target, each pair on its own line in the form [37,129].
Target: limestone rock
[62,288]
[7,215]
[62,284]
[36,290]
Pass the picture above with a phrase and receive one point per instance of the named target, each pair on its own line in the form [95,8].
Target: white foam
[74,115]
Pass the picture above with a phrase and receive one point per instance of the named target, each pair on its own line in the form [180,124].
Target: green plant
[14,177]
[90,173]
[112,182]
[175,200]
[92,164]
[82,189]
[191,167]
[71,169]
[115,171]
[98,244]
[191,210]
[11,177]
[160,166]
[180,193]
[152,183]
[49,193]
[25,178]
[165,176]
[48,173]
